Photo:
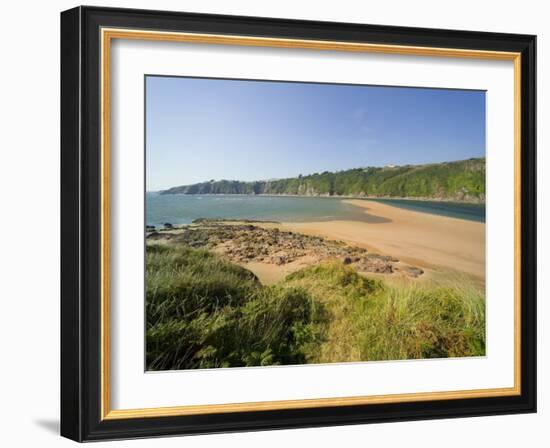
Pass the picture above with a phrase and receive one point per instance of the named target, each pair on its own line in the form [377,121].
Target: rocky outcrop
[246,242]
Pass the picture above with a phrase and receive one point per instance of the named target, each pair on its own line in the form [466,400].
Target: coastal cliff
[462,180]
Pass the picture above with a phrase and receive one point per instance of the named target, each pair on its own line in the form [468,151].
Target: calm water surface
[470,212]
[183,209]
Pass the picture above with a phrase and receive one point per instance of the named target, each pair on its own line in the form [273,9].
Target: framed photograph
[272,223]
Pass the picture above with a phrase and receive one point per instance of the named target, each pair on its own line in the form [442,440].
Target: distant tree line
[461,180]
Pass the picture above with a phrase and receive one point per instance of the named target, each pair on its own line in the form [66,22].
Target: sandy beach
[422,239]
[400,244]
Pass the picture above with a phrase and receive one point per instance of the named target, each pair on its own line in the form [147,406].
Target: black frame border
[81,223]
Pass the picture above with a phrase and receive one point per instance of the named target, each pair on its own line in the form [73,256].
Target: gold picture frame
[107,33]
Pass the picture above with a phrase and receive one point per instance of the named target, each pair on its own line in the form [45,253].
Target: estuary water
[183,209]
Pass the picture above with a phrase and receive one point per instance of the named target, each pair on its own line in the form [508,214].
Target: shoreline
[358,197]
[439,246]
[272,252]
[433,242]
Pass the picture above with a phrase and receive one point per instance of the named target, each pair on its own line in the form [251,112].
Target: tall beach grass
[205,312]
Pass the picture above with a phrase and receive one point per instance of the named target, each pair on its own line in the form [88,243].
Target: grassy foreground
[205,312]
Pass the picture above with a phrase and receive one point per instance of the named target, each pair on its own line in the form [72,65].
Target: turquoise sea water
[183,209]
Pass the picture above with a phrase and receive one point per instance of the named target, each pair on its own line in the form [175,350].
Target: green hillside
[460,181]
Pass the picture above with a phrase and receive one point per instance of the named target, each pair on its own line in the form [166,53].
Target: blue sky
[202,129]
